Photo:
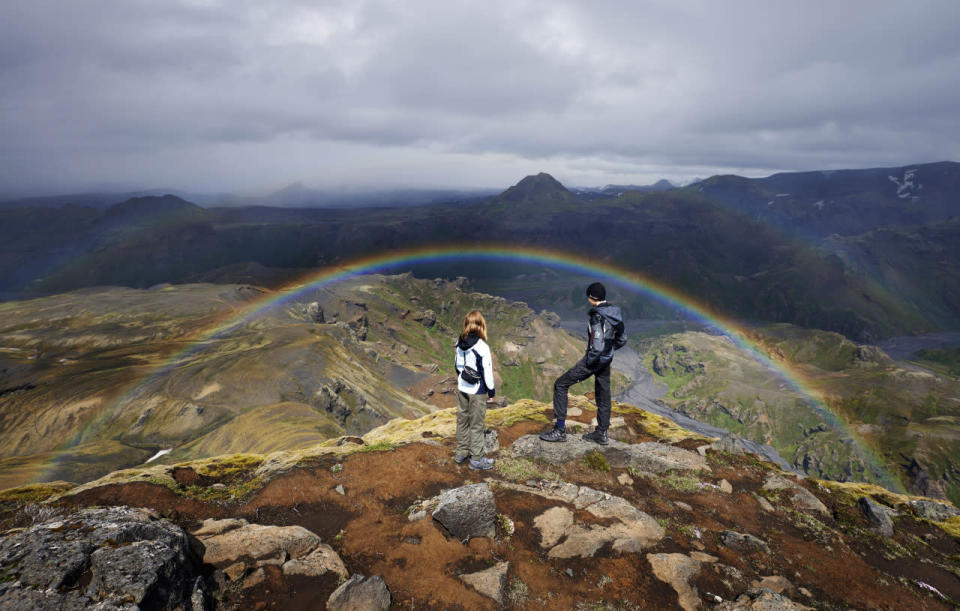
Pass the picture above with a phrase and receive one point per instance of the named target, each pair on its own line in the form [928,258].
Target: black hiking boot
[554,434]
[597,436]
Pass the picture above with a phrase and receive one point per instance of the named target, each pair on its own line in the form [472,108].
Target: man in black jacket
[605,334]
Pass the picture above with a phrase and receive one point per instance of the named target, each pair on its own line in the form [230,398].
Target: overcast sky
[249,95]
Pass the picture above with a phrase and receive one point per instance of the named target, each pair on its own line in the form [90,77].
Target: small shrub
[596,461]
[380,446]
[679,482]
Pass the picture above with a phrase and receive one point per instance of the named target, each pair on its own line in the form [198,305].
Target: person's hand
[491,400]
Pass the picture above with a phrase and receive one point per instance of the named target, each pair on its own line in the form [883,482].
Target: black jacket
[604,335]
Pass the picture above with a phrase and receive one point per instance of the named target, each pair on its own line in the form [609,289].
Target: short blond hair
[474,323]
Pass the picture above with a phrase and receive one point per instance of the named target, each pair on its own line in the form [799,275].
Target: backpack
[469,374]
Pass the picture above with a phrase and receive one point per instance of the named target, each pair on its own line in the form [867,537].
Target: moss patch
[35,493]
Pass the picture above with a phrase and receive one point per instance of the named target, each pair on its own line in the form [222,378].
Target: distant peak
[536,187]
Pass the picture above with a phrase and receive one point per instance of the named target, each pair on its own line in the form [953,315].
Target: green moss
[221,467]
[522,469]
[596,461]
[380,446]
[35,493]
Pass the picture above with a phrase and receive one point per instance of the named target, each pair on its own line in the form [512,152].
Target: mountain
[540,189]
[844,202]
[738,267]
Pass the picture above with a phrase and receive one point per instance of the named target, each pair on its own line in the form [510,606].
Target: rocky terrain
[101,379]
[875,406]
[661,518]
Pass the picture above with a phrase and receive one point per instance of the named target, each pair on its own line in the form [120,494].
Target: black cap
[596,291]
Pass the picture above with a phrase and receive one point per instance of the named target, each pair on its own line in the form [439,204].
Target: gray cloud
[242,94]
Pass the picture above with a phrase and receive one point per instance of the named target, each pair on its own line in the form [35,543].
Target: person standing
[605,333]
[475,388]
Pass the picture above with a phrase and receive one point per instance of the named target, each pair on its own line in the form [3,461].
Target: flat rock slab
[490,582]
[677,570]
[627,530]
[649,457]
[799,496]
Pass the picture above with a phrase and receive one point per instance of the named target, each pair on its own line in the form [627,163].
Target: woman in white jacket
[475,388]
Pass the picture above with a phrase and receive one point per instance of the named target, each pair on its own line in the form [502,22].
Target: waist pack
[469,374]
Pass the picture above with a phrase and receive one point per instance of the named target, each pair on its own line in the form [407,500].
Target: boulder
[877,515]
[319,562]
[799,496]
[128,556]
[743,542]
[360,594]
[468,511]
[490,582]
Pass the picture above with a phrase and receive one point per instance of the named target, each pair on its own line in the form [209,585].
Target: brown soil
[839,562]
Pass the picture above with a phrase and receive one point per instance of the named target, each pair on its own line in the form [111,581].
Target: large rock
[468,511]
[932,510]
[263,544]
[743,542]
[490,582]
[649,457]
[877,515]
[238,547]
[360,594]
[799,496]
[126,556]
[761,599]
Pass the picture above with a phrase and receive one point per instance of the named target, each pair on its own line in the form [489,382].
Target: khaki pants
[471,412]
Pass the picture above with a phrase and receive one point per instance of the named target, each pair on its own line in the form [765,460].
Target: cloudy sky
[249,95]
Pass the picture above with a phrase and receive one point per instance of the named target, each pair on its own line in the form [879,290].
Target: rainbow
[391,262]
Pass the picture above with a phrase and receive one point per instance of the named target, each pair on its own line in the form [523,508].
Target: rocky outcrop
[360,593]
[649,457]
[743,542]
[241,549]
[109,558]
[932,510]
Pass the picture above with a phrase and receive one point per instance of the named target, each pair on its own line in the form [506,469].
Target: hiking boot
[481,464]
[554,434]
[597,436]
[459,459]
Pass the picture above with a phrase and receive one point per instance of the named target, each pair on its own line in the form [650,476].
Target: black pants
[601,387]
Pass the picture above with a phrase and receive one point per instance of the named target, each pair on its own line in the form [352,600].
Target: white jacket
[485,366]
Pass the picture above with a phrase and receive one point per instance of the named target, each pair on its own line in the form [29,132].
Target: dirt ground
[834,558]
